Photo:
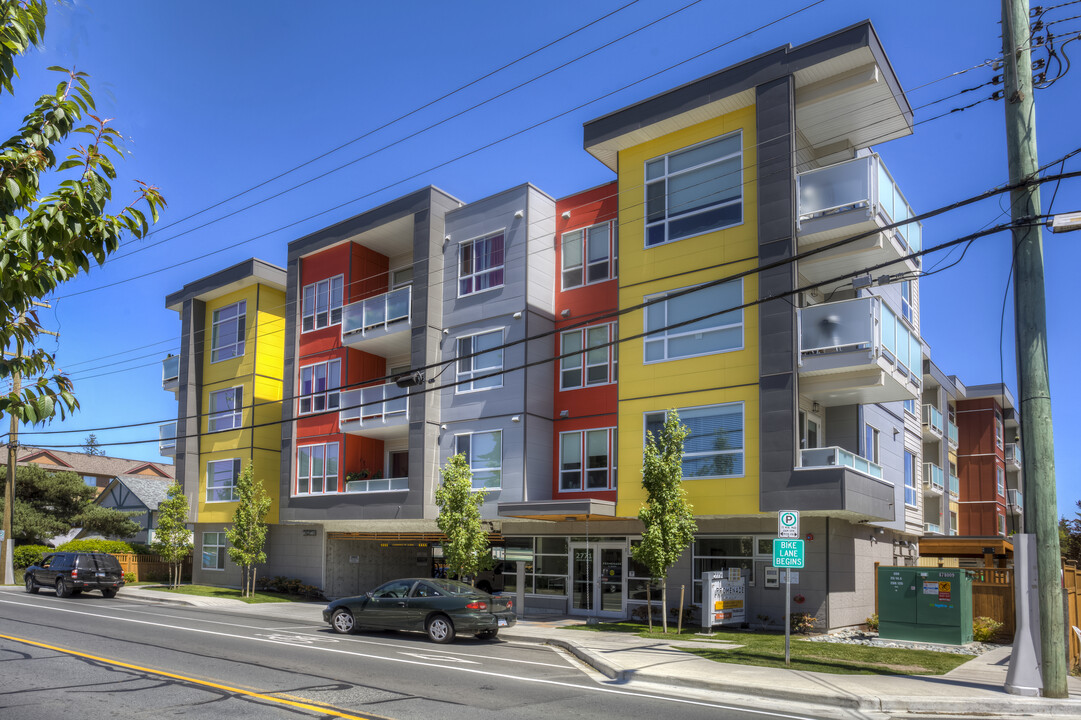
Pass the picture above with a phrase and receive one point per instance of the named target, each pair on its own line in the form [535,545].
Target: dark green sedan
[441,608]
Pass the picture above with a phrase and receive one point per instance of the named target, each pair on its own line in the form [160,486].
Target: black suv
[72,572]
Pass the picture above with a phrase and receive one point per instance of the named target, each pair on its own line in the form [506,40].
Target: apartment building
[989,462]
[941,487]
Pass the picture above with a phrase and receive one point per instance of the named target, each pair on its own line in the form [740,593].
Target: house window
[227,332]
[714,447]
[695,190]
[401,277]
[870,443]
[317,469]
[483,452]
[1001,524]
[594,359]
[675,327]
[906,300]
[998,429]
[547,574]
[590,453]
[910,407]
[910,479]
[1000,481]
[723,554]
[319,385]
[480,264]
[214,551]
[225,409]
[488,359]
[322,304]
[587,255]
[221,478]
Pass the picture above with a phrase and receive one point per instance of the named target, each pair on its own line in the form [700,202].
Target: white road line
[449,668]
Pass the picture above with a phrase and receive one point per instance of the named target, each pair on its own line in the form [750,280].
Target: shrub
[105,546]
[802,623]
[289,586]
[985,628]
[26,555]
[129,577]
[872,623]
[642,612]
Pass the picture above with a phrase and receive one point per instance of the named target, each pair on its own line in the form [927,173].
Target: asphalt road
[94,658]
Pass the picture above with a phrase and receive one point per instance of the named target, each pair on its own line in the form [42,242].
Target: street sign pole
[788,555]
[787,616]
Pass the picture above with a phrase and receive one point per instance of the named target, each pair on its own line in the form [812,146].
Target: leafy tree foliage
[172,539]
[247,534]
[667,517]
[91,447]
[48,504]
[466,547]
[1069,534]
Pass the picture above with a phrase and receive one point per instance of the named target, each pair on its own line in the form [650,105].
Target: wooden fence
[150,567]
[1071,576]
[992,596]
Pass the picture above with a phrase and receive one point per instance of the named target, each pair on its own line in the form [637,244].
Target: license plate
[502,622]
[101,574]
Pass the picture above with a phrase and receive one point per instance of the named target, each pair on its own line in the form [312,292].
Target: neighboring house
[137,493]
[96,470]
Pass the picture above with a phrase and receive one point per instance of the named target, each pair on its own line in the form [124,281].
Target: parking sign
[788,524]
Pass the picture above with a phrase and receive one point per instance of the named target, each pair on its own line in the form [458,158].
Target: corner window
[714,447]
[587,460]
[594,359]
[695,190]
[588,255]
[484,453]
[227,332]
[221,478]
[225,409]
[480,355]
[317,469]
[672,330]
[322,304]
[214,550]
[480,264]
[910,479]
[319,385]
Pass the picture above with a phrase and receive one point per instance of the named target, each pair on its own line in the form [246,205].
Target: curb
[609,670]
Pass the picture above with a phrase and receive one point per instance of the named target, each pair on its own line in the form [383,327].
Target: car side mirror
[369,594]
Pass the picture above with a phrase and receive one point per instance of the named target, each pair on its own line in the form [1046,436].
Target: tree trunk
[664,606]
[253,571]
[649,603]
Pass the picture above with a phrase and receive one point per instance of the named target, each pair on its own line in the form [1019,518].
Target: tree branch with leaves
[172,539]
[247,534]
[465,550]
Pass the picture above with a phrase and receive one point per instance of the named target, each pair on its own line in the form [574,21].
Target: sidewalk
[975,688]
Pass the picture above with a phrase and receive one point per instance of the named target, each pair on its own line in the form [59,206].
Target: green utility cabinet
[925,604]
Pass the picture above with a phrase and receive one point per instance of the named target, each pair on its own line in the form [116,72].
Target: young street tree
[247,534]
[466,547]
[172,540]
[667,518]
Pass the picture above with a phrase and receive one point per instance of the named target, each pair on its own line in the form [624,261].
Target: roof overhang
[560,510]
[242,275]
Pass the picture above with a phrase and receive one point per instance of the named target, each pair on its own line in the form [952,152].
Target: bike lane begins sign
[787,553]
[788,524]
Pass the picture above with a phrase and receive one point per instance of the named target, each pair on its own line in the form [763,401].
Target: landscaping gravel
[864,637]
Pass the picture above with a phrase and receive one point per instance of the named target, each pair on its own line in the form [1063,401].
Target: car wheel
[30,586]
[487,634]
[108,592]
[343,622]
[62,589]
[440,629]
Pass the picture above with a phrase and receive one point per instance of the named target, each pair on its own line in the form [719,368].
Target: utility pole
[1037,437]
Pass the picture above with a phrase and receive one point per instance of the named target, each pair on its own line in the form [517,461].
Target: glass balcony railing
[1013,453]
[833,456]
[933,478]
[167,438]
[377,313]
[170,371]
[932,528]
[374,405]
[377,485]
[932,419]
[955,486]
[862,184]
[866,324]
[951,433]
[1015,498]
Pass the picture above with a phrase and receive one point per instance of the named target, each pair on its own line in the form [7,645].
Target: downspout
[828,625]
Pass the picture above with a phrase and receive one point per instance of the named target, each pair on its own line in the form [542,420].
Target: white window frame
[473,273]
[465,377]
[1000,430]
[585,236]
[334,289]
[909,471]
[664,336]
[581,438]
[231,488]
[220,544]
[665,220]
[692,455]
[581,361]
[306,469]
[233,415]
[1000,481]
[475,468]
[318,401]
[240,318]
[871,440]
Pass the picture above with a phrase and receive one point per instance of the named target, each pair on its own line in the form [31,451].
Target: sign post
[787,554]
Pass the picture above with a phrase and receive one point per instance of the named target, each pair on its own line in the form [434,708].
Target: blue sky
[215,98]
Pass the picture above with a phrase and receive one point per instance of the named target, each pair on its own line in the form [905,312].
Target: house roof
[151,491]
[83,464]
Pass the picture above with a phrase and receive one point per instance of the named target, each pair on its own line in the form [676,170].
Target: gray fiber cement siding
[189,401]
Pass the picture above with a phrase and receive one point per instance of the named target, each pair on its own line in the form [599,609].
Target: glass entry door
[597,579]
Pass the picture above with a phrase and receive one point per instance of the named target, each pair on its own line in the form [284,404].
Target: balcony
[955,487]
[167,439]
[377,411]
[857,352]
[851,198]
[375,485]
[170,373]
[1013,456]
[933,479]
[932,423]
[951,434]
[833,480]
[831,456]
[932,529]
[380,324]
[1015,502]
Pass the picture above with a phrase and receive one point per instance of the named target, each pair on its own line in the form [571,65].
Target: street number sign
[788,524]
[787,553]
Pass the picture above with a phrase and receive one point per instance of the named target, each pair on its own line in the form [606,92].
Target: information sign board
[787,553]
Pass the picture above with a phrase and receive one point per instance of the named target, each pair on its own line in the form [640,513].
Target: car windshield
[453,587]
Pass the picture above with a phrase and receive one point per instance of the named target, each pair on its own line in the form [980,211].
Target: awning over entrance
[561,510]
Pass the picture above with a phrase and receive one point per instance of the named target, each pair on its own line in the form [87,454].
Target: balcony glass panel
[1013,453]
[847,325]
[377,485]
[1016,498]
[951,430]
[167,438]
[374,404]
[170,369]
[377,313]
[837,187]
[933,477]
[955,486]
[833,456]
[934,528]
[932,418]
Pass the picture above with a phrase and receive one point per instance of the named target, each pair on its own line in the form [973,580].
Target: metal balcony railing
[951,433]
[377,313]
[933,478]
[377,485]
[955,486]
[1013,453]
[1015,498]
[932,419]
[833,456]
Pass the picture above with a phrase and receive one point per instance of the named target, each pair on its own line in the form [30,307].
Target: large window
[675,326]
[910,479]
[695,190]
[547,574]
[1000,481]
[227,332]
[319,385]
[488,359]
[221,478]
[870,443]
[480,264]
[588,255]
[322,304]
[225,409]
[594,360]
[712,554]
[317,469]
[587,460]
[714,447]
[214,551]
[998,429]
[484,453]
